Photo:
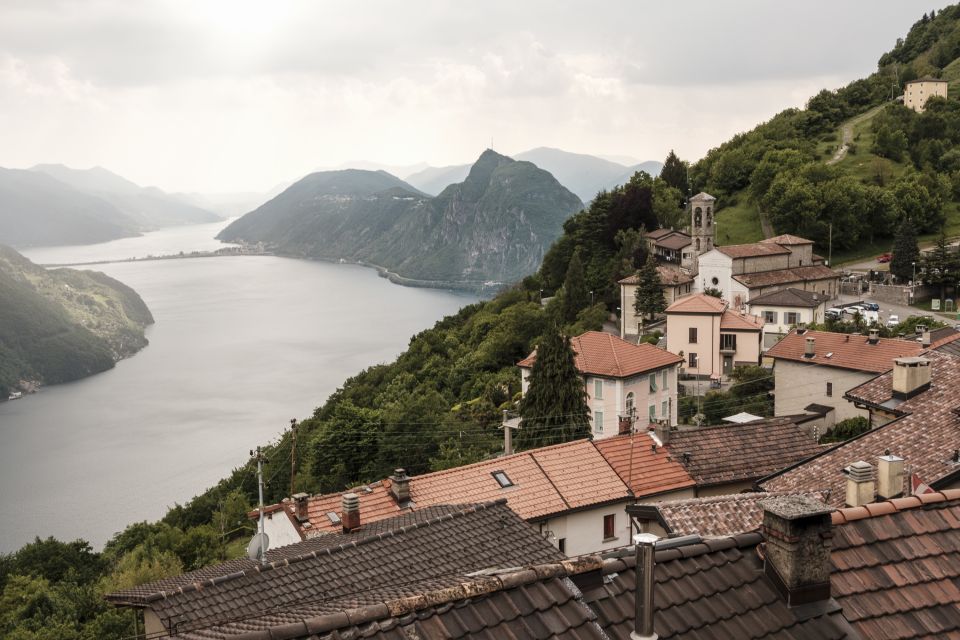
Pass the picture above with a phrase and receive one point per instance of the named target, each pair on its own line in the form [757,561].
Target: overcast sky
[238,95]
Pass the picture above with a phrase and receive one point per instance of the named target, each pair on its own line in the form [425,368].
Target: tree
[575,294]
[890,143]
[648,298]
[906,253]
[674,172]
[554,408]
[941,267]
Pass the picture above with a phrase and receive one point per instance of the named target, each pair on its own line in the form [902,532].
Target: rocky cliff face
[495,225]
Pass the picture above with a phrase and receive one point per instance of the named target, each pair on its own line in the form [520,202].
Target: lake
[240,346]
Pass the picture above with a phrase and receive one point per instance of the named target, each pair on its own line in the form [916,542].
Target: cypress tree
[575,294]
[674,173]
[648,299]
[554,408]
[905,252]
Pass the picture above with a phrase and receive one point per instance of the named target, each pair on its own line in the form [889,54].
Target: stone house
[917,92]
[785,309]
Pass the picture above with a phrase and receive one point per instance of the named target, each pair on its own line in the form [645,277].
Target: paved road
[902,311]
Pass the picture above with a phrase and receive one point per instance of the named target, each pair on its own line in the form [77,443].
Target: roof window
[333,518]
[502,479]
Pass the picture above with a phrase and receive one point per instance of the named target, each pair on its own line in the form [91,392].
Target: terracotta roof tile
[789,298]
[645,469]
[602,354]
[668,277]
[925,436]
[752,250]
[787,240]
[718,515]
[675,242]
[733,321]
[847,351]
[786,276]
[697,303]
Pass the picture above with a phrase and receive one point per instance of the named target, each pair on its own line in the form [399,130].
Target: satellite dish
[258,546]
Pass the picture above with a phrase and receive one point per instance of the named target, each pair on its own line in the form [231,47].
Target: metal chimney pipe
[643,622]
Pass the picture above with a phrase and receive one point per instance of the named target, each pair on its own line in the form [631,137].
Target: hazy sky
[238,95]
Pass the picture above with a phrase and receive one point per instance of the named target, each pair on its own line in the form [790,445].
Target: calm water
[240,346]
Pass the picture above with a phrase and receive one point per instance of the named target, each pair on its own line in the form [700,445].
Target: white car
[893,320]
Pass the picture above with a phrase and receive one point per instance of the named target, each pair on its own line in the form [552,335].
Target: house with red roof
[621,379]
[711,337]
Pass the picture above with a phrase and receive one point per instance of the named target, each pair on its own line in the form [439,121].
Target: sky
[219,96]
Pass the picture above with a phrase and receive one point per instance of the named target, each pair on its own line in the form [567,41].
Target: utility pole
[293,454]
[508,427]
[830,249]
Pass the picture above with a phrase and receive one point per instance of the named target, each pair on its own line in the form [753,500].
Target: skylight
[502,479]
[333,518]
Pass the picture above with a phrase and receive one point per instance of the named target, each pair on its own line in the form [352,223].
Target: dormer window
[502,479]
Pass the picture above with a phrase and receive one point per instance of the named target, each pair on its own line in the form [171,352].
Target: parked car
[893,320]
[884,258]
[833,313]
[870,306]
[854,310]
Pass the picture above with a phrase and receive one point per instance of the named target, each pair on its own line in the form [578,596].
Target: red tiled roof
[697,303]
[732,321]
[675,242]
[945,340]
[668,277]
[601,354]
[724,515]
[847,351]
[752,250]
[786,276]
[654,471]
[376,503]
[659,233]
[925,437]
[787,240]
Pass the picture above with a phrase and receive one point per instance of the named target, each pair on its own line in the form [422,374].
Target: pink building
[712,338]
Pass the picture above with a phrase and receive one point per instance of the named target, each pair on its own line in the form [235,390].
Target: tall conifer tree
[905,252]
[674,173]
[648,298]
[554,408]
[575,294]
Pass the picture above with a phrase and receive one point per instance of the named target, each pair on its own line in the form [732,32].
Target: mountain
[37,210]
[494,225]
[583,174]
[149,207]
[62,324]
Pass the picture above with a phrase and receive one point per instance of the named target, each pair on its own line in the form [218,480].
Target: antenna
[257,549]
[293,454]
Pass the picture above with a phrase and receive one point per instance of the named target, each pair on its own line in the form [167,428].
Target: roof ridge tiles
[895,505]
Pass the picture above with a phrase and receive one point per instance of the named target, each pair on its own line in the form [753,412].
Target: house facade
[675,285]
[917,92]
[784,310]
[621,379]
[712,339]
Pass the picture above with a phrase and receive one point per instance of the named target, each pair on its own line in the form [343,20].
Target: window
[698,217]
[692,361]
[792,317]
[664,410]
[333,518]
[629,405]
[598,389]
[829,389]
[692,335]
[502,479]
[665,379]
[715,281]
[770,317]
[562,545]
[652,413]
[598,421]
[728,342]
[609,527]
[653,383]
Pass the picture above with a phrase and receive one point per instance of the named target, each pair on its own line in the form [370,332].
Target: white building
[785,309]
[917,92]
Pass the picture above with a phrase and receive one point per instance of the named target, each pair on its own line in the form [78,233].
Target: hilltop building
[675,284]
[702,227]
[621,377]
[917,92]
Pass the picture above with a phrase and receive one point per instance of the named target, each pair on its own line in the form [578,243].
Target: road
[847,134]
[902,311]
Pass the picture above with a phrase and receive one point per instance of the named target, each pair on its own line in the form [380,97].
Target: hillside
[495,225]
[583,174]
[854,160]
[61,325]
[149,207]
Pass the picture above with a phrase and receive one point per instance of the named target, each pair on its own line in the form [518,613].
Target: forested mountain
[63,324]
[583,174]
[149,207]
[495,225]
[854,159]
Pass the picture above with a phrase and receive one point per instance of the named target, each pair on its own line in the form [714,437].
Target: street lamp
[914,272]
[591,298]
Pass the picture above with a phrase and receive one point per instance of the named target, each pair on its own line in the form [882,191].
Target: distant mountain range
[495,224]
[51,204]
[584,175]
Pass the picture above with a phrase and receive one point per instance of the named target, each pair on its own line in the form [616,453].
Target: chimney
[925,339]
[300,507]
[874,336]
[797,530]
[646,546]
[911,376]
[810,349]
[625,423]
[400,486]
[662,431]
[889,476]
[350,517]
[859,484]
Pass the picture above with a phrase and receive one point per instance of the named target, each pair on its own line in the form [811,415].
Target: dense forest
[439,404]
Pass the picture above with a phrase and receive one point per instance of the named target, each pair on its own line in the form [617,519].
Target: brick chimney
[874,336]
[624,425]
[662,431]
[860,484]
[400,486]
[350,516]
[910,377]
[797,530]
[809,349]
[300,507]
[925,339]
[889,476]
